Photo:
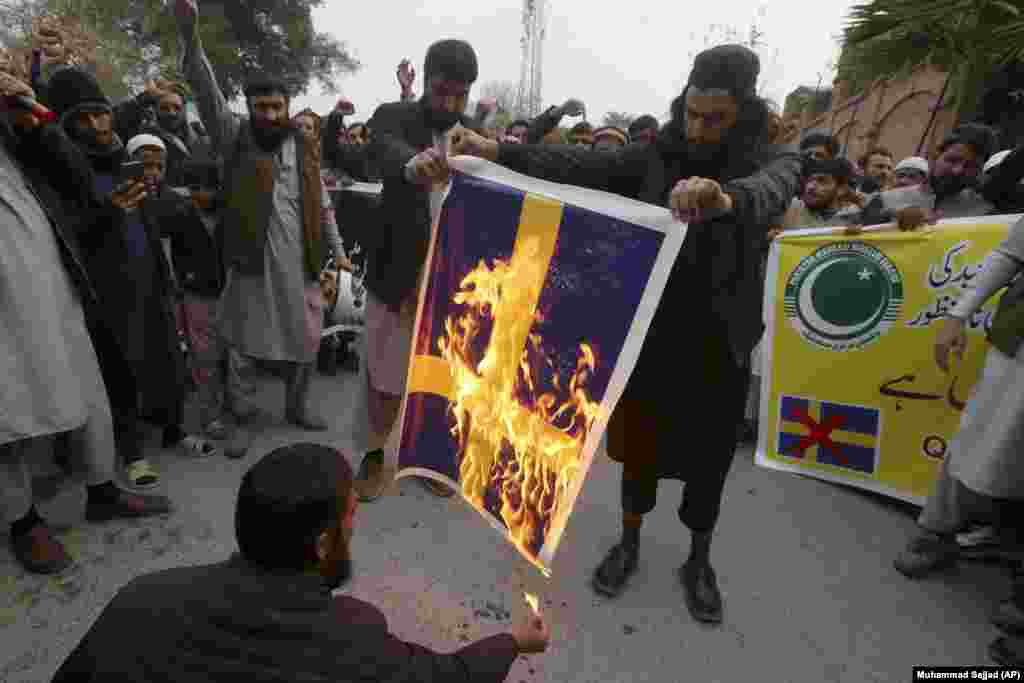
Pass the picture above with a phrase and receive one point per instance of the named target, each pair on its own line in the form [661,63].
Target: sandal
[197,447]
[141,474]
[218,430]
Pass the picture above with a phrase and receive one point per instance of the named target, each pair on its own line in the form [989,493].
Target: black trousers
[122,391]
[680,423]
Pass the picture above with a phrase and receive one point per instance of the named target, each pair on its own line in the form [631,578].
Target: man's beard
[949,185]
[88,142]
[269,136]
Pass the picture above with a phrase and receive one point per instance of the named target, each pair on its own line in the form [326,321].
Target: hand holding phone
[132,170]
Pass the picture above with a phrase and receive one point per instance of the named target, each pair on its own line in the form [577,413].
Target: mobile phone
[132,170]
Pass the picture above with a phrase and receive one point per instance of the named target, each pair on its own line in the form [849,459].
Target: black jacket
[136,115]
[718,268]
[399,248]
[233,622]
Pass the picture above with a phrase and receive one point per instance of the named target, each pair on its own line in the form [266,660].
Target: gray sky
[624,58]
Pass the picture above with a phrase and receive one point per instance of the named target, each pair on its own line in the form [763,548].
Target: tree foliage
[136,39]
[969,39]
[752,36]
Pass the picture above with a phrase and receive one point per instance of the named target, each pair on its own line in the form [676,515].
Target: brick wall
[891,114]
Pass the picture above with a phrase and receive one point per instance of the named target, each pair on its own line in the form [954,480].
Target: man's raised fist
[186,12]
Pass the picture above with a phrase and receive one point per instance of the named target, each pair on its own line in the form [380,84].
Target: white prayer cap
[144,140]
[918,164]
[995,160]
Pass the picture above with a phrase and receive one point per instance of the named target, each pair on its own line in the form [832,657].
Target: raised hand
[186,12]
[406,75]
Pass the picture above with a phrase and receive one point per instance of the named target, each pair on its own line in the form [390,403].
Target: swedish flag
[835,434]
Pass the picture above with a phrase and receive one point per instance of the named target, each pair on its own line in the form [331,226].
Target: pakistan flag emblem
[844,296]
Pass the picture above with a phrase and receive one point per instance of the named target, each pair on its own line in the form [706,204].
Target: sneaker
[371,481]
[978,537]
[437,488]
[219,430]
[128,506]
[927,553]
[197,447]
[141,474]
[613,573]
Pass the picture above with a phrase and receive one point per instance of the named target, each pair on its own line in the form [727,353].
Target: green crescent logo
[844,296]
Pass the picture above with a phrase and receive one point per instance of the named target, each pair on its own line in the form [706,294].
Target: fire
[516,437]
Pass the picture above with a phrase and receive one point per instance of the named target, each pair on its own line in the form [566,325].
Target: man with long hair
[712,165]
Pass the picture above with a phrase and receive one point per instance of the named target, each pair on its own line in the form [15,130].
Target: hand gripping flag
[535,304]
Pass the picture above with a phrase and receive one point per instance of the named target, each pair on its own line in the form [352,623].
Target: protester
[134,330]
[949,191]
[163,214]
[308,121]
[877,166]
[582,135]
[910,172]
[267,613]
[551,118]
[826,185]
[819,147]
[359,134]
[610,138]
[182,142]
[711,167]
[408,137]
[52,381]
[982,474]
[518,129]
[277,224]
[644,130]
[1001,181]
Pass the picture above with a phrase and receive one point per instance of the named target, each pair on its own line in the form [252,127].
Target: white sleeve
[998,271]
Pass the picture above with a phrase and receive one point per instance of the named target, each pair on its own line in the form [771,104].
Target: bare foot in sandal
[197,447]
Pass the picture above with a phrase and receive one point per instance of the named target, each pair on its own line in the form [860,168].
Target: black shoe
[611,575]
[701,590]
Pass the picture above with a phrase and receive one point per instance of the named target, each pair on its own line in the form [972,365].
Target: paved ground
[805,567]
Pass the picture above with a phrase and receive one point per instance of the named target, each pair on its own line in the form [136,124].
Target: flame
[533,602]
[514,438]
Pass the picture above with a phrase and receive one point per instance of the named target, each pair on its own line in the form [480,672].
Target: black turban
[733,68]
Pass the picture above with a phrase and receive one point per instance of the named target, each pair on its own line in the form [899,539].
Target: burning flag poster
[535,304]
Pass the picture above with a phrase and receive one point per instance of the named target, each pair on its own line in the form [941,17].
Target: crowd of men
[149,259]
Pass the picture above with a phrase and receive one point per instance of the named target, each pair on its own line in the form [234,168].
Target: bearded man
[277,222]
[712,165]
[827,184]
[52,382]
[267,614]
[135,333]
[407,140]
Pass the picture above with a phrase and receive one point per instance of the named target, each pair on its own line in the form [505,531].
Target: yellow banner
[851,391]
